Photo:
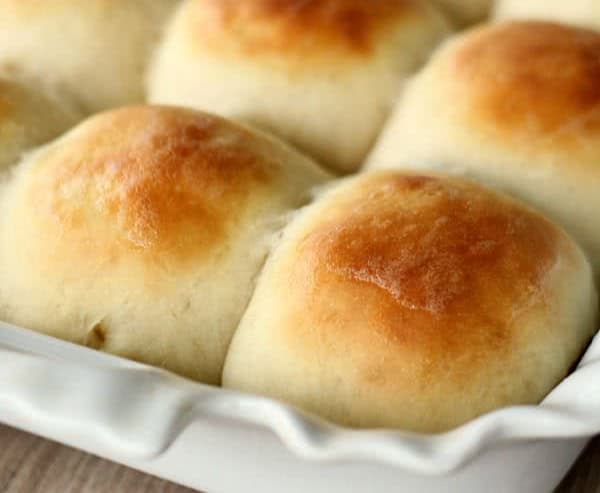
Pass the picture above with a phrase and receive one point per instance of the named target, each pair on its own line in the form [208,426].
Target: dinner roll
[416,302]
[27,119]
[321,73]
[93,52]
[516,105]
[584,13]
[465,12]
[140,233]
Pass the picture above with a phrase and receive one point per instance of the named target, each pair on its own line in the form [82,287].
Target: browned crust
[162,180]
[7,93]
[429,272]
[258,27]
[533,78]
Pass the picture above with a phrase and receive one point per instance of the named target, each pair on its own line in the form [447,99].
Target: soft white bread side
[28,118]
[416,302]
[517,106]
[323,74]
[140,233]
[92,52]
[584,13]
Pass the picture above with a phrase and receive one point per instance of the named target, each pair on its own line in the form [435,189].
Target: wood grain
[584,476]
[32,465]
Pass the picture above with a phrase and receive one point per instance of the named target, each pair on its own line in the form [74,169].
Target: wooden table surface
[32,465]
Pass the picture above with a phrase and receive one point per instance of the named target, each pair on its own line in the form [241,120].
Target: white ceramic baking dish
[221,441]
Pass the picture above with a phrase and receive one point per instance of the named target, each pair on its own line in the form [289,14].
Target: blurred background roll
[323,74]
[584,13]
[140,233]
[414,301]
[465,12]
[517,106]
[92,52]
[28,118]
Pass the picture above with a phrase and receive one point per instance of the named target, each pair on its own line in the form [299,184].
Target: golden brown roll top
[516,105]
[27,119]
[530,80]
[414,301]
[322,74]
[140,232]
[150,182]
[584,13]
[93,53]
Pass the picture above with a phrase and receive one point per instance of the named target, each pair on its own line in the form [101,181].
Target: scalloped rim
[161,405]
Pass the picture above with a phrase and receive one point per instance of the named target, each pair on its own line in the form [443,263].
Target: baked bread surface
[140,233]
[416,302]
